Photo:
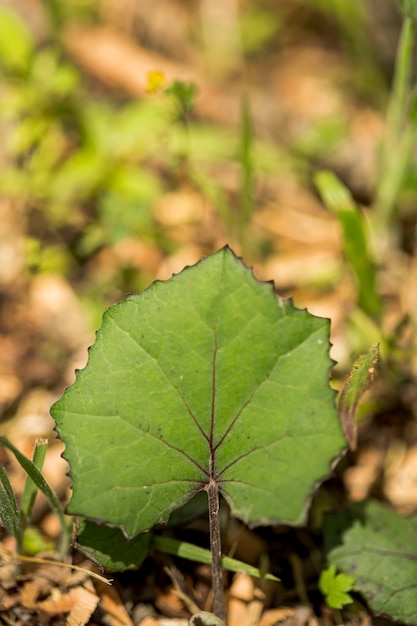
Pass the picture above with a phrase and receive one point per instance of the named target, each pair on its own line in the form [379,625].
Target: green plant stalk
[390,185]
[30,490]
[392,168]
[219,608]
[409,8]
[201,555]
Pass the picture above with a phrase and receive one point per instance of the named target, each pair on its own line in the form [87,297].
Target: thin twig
[41,561]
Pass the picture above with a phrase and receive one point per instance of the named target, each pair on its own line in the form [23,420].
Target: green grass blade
[9,513]
[41,484]
[30,490]
[196,553]
[395,160]
[247,168]
[338,199]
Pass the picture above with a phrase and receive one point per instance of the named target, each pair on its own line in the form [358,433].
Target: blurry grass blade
[401,84]
[409,8]
[196,553]
[247,169]
[9,513]
[358,381]
[394,158]
[41,484]
[30,490]
[355,239]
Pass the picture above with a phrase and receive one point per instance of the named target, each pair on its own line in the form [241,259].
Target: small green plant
[335,587]
[205,382]
[15,518]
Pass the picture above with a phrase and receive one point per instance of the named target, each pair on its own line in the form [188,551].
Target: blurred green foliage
[87,167]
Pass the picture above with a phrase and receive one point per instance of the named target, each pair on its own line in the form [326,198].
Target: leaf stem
[219,608]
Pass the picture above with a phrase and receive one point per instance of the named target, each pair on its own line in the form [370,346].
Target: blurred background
[137,136]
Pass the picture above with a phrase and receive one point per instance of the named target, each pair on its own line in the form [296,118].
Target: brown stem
[219,608]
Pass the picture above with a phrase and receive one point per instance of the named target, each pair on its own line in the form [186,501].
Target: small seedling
[335,588]
[205,382]
[16,520]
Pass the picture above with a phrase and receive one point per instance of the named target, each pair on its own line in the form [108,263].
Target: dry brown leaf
[57,312]
[112,605]
[79,602]
[169,603]
[150,621]
[31,591]
[246,602]
[85,606]
[360,478]
[136,253]
[275,616]
[400,484]
[180,207]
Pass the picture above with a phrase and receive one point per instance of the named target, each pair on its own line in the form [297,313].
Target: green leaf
[109,547]
[378,547]
[358,381]
[206,376]
[335,587]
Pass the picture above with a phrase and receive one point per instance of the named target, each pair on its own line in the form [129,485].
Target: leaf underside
[206,376]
